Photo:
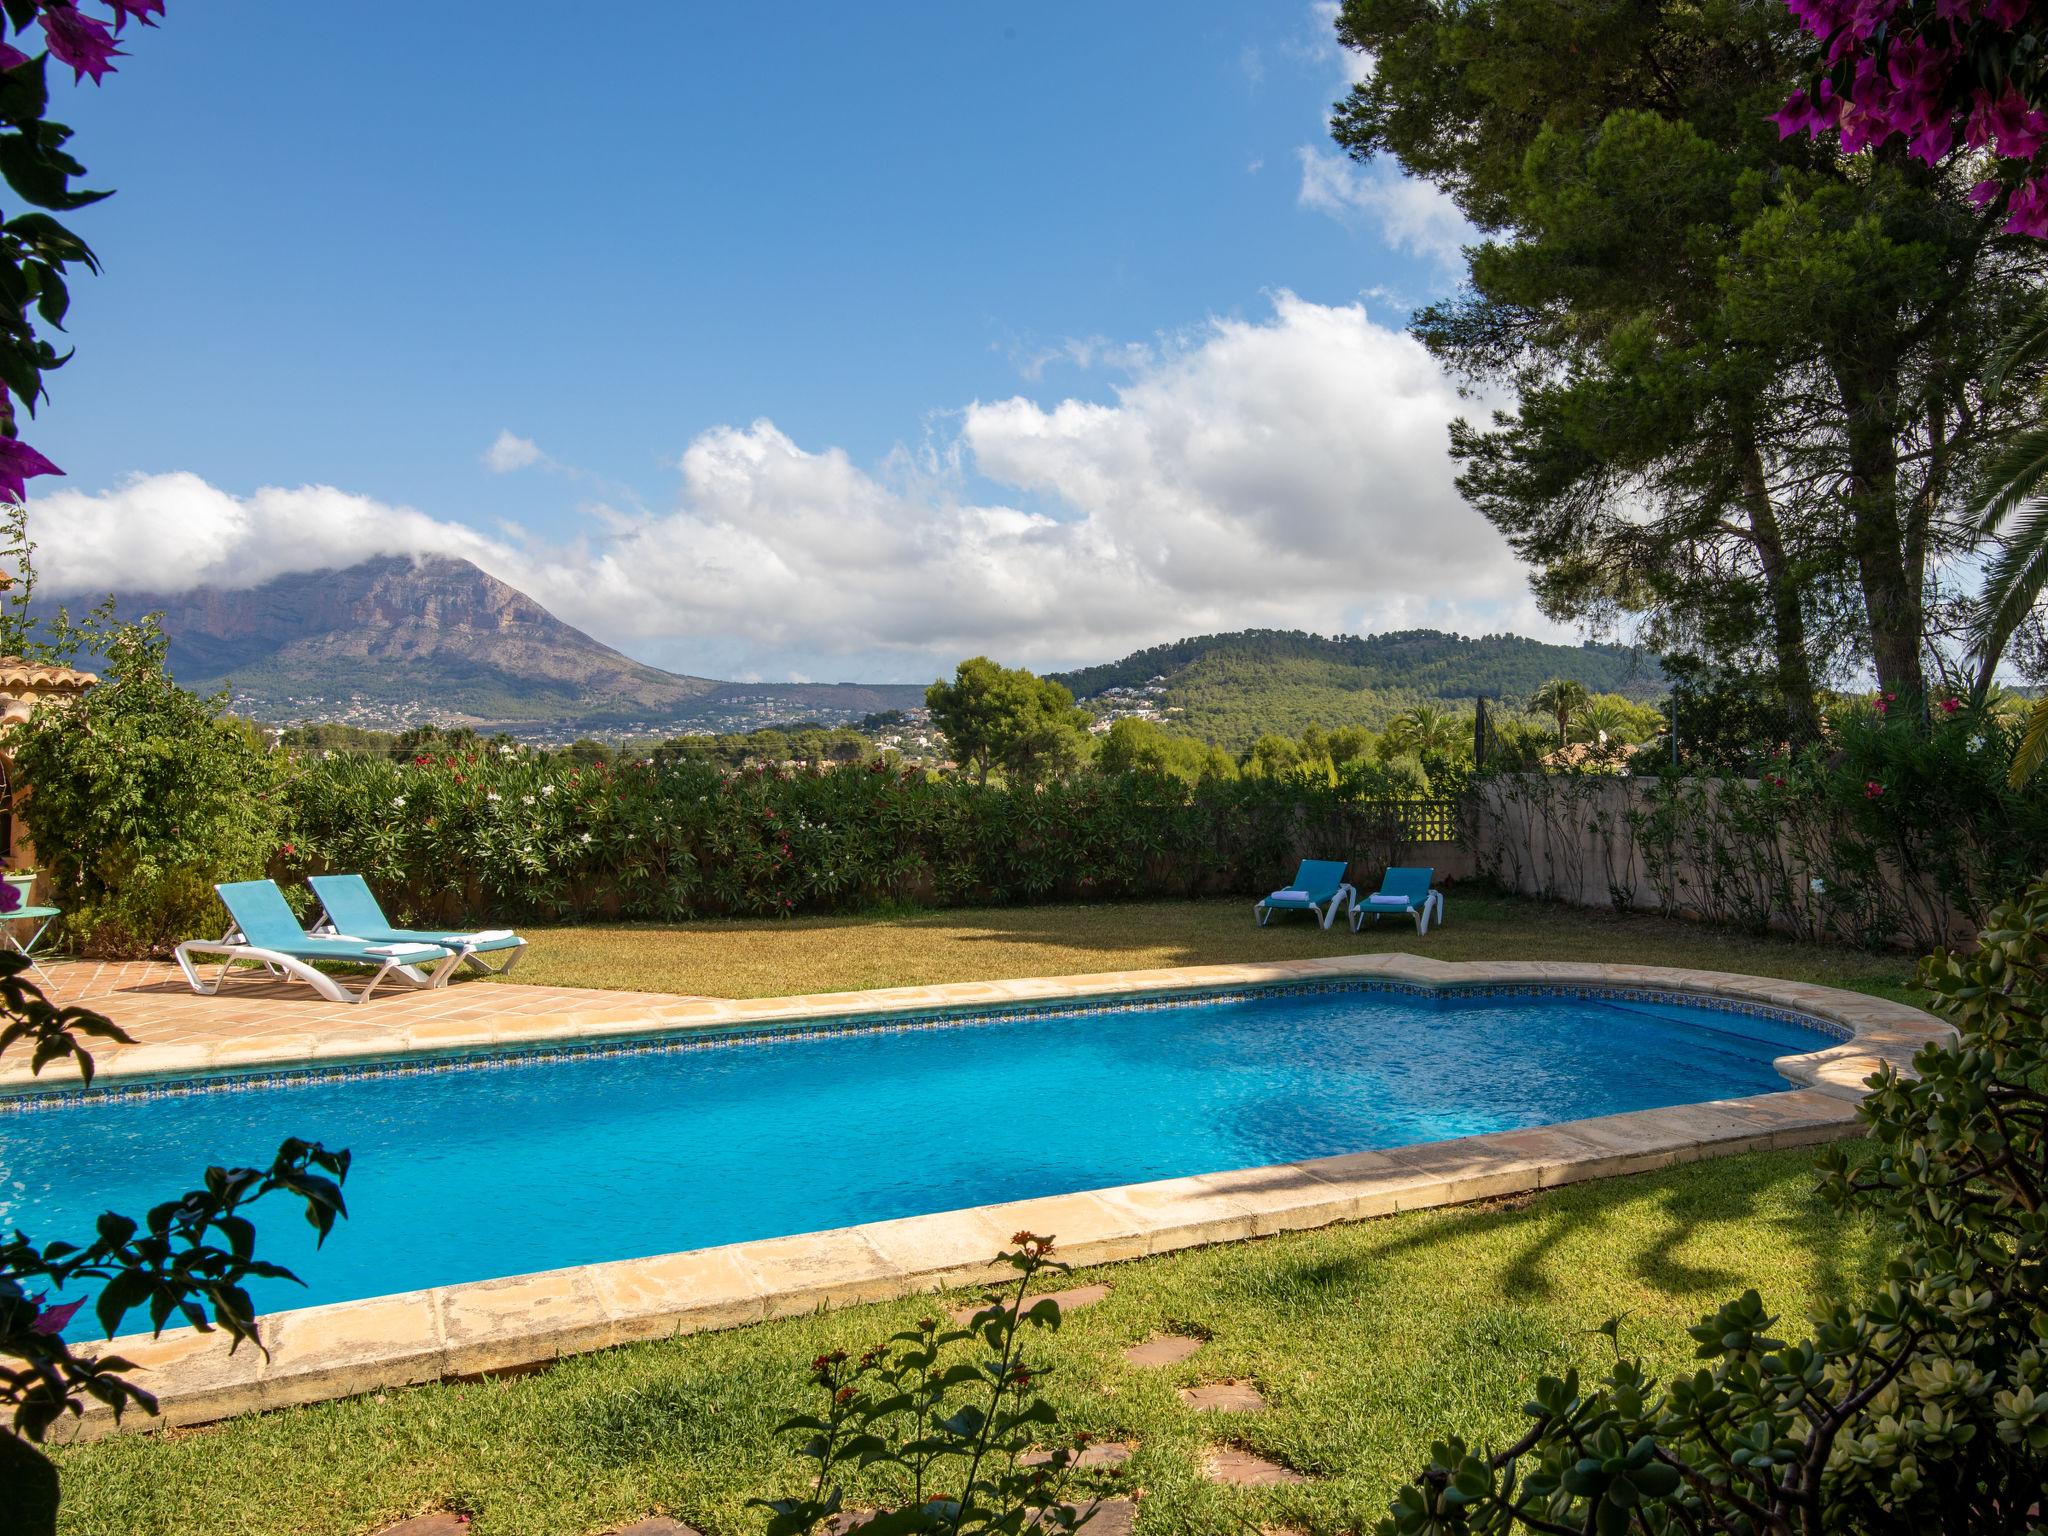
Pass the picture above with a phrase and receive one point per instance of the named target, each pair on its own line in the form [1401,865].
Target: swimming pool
[469,1168]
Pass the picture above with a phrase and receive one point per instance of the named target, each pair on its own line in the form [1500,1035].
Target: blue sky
[906,274]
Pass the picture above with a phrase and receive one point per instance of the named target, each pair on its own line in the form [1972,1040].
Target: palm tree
[1613,722]
[1426,728]
[1561,697]
[2013,494]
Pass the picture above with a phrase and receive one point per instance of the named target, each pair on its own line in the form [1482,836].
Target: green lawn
[1368,1341]
[831,954]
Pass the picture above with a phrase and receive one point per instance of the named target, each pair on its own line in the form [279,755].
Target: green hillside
[1231,688]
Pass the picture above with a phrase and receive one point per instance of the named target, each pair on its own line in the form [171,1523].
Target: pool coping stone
[521,1321]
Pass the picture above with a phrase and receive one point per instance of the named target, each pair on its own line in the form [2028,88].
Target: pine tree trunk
[1781,583]
[1893,602]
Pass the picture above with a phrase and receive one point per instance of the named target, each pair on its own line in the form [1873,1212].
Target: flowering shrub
[143,795]
[495,832]
[1922,1407]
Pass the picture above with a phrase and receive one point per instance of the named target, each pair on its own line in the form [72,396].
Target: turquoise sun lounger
[1318,890]
[266,931]
[1402,893]
[352,909]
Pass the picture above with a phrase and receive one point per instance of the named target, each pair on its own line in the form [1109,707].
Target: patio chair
[266,932]
[1318,889]
[1402,893]
[13,910]
[349,908]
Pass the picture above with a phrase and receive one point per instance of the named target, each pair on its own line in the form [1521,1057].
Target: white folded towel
[1289,895]
[401,949]
[484,936]
[1380,898]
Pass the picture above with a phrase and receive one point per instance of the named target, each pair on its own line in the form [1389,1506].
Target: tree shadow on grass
[1671,1209]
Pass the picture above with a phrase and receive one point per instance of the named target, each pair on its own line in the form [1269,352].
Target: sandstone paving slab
[1108,1517]
[1236,1395]
[955,1247]
[1099,1455]
[1071,1300]
[1244,1468]
[1163,1349]
[677,1293]
[439,1523]
[836,1268]
[495,1325]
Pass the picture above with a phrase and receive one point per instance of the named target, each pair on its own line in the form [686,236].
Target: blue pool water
[501,1169]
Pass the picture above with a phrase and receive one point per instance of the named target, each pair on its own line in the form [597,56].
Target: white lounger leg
[475,958]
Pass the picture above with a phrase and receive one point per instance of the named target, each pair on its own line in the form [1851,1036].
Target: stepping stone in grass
[1111,1517]
[1163,1349]
[658,1525]
[1234,1396]
[1103,1453]
[1246,1469]
[442,1522]
[1070,1301]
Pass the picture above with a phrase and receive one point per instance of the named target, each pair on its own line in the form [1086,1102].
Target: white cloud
[168,533]
[510,451]
[1290,471]
[1354,64]
[1407,214]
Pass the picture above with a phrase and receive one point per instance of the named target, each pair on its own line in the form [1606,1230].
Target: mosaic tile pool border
[720,1036]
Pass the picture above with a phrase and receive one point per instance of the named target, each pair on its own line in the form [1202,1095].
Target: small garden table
[27,951]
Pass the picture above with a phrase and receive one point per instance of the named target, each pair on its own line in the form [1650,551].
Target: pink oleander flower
[20,463]
[1950,706]
[1872,790]
[79,40]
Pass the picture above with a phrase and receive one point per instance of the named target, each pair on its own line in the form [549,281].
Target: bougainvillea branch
[1946,77]
[35,250]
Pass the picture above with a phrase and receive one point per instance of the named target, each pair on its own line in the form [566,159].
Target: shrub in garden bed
[141,796]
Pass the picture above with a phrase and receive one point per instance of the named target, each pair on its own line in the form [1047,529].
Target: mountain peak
[401,640]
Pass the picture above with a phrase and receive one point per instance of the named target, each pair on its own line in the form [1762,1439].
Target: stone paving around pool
[521,1321]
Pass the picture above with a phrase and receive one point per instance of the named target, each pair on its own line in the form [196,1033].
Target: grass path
[724,958]
[1367,1340]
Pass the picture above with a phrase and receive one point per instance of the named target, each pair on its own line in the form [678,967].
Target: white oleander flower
[1818,886]
[398,801]
[526,799]
[586,837]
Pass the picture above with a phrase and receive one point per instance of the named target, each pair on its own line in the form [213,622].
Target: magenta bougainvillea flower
[20,463]
[141,10]
[51,1320]
[1924,73]
[79,40]
[11,57]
